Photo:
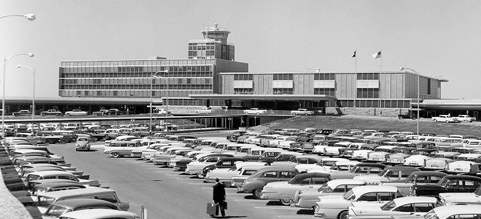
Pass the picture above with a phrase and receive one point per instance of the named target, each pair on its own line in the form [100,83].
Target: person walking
[219,198]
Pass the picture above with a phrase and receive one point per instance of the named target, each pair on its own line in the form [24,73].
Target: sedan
[411,205]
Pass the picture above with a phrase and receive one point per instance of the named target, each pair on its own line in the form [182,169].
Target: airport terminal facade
[211,76]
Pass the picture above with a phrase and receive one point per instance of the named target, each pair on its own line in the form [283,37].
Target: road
[165,193]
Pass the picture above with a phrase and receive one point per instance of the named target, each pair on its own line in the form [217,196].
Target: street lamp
[29,16]
[5,59]
[414,71]
[154,75]
[33,87]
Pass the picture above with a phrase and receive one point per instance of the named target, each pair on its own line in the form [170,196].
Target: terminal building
[211,76]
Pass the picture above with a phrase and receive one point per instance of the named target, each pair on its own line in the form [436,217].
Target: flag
[377,55]
[354,54]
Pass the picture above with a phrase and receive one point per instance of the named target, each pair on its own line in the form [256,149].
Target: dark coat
[219,192]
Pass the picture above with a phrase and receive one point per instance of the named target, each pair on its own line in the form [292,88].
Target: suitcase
[211,209]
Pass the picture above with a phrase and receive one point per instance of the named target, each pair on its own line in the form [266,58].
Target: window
[465,216]
[386,196]
[319,180]
[242,77]
[282,77]
[287,174]
[423,207]
[341,188]
[270,174]
[429,86]
[324,76]
[305,181]
[367,76]
[405,208]
[243,90]
[325,91]
[283,90]
[368,93]
[370,196]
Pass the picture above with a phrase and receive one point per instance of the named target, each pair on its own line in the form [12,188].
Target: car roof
[75,192]
[463,177]
[372,188]
[336,182]
[58,184]
[84,202]
[98,214]
[286,167]
[414,199]
[51,172]
[446,211]
[424,173]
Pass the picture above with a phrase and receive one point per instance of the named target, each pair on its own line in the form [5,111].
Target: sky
[440,38]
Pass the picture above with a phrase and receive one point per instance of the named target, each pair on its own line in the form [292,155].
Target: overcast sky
[436,37]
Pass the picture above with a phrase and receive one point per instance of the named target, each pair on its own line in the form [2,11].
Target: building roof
[334,72]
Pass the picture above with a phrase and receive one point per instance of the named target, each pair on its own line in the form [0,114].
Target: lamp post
[33,86]
[414,71]
[29,17]
[5,59]
[150,107]
[154,75]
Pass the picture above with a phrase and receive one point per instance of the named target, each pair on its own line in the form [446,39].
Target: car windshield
[325,188]
[56,211]
[349,195]
[249,172]
[388,206]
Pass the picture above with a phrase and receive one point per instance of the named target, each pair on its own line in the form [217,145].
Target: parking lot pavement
[167,194]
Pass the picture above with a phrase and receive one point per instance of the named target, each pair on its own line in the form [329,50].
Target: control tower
[213,46]
[216,34]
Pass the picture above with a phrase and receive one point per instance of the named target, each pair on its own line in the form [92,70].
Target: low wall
[363,111]
[10,207]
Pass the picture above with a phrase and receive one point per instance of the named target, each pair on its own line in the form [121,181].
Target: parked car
[51,112]
[285,191]
[50,186]
[99,214]
[256,182]
[22,113]
[55,174]
[412,206]
[337,207]
[62,207]
[255,111]
[302,112]
[76,112]
[465,118]
[48,198]
[82,144]
[445,118]
[307,197]
[454,211]
[450,183]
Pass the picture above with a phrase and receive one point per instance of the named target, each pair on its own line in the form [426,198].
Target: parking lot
[164,192]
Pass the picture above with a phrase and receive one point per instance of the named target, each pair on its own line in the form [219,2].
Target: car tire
[286,202]
[343,215]
[257,193]
[115,155]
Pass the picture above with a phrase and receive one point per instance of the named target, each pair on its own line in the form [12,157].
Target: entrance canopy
[283,97]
